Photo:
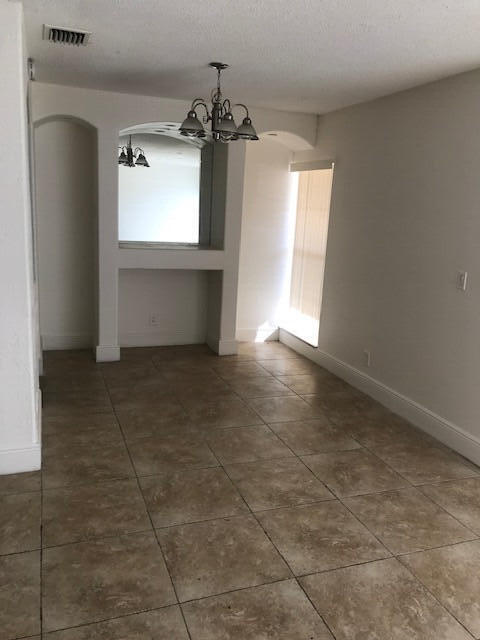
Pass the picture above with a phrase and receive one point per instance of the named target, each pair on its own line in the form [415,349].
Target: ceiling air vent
[65,36]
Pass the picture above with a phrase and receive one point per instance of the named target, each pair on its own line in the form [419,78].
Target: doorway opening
[309,252]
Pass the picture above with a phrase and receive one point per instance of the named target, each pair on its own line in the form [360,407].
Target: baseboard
[107,353]
[440,428]
[257,334]
[58,343]
[20,460]
[160,339]
[223,347]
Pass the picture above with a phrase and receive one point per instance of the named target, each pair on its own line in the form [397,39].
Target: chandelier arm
[229,105]
[203,104]
[196,102]
[240,104]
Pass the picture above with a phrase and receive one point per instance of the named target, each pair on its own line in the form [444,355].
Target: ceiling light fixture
[130,157]
[223,127]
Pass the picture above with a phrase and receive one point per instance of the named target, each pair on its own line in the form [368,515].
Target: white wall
[268,225]
[65,162]
[405,217]
[113,112]
[160,203]
[178,300]
[19,394]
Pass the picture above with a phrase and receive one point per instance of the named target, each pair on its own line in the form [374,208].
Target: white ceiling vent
[65,35]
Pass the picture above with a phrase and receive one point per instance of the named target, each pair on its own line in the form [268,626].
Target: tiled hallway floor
[252,497]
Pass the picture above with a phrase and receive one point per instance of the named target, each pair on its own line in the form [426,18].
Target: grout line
[102,620]
[150,519]
[427,589]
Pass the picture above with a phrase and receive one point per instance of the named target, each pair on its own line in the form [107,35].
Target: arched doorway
[65,153]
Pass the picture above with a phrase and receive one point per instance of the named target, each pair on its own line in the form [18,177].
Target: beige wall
[405,218]
[268,226]
[20,412]
[65,168]
[162,306]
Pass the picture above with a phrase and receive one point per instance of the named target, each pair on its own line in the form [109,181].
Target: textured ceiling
[299,55]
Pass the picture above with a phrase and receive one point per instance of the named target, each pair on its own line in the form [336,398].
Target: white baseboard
[107,353]
[160,338]
[20,460]
[223,347]
[57,343]
[257,335]
[440,428]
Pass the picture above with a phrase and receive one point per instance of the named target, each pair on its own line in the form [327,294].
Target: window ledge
[166,245]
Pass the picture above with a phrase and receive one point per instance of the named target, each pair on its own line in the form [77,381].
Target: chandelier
[223,125]
[131,157]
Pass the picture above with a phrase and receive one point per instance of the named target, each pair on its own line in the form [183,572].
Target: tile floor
[255,497]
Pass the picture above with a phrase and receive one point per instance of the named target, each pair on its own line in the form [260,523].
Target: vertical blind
[310,244]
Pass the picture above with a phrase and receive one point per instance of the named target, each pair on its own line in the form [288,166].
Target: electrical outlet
[462,280]
[367,358]
[154,319]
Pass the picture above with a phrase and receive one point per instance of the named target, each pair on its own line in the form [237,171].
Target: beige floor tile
[407,521]
[461,498]
[145,422]
[83,465]
[320,537]
[289,366]
[259,387]
[352,473]
[91,581]
[240,370]
[220,555]
[161,624]
[19,522]
[380,600]
[164,403]
[152,382]
[421,464]
[204,398]
[191,496]
[19,595]
[124,373]
[231,412]
[93,511]
[157,454]
[277,483]
[246,444]
[313,436]
[380,427]
[20,482]
[318,382]
[83,383]
[279,611]
[266,350]
[188,366]
[283,409]
[149,391]
[340,406]
[97,422]
[92,438]
[452,575]
[70,404]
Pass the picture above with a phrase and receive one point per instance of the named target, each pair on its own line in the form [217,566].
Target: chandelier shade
[130,157]
[223,127]
[191,126]
[246,131]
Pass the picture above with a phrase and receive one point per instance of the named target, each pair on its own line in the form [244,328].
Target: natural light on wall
[161,203]
[309,251]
